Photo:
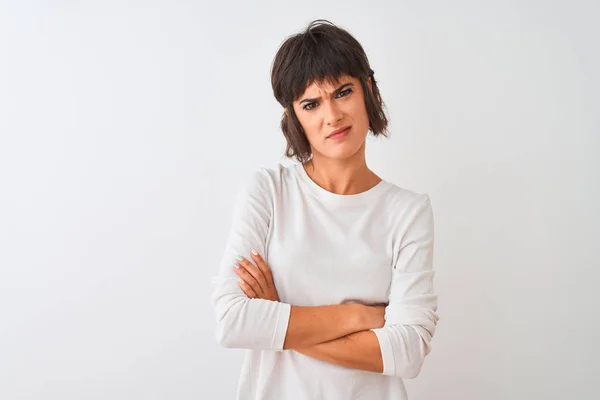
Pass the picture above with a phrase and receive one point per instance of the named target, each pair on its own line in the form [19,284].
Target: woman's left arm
[411,315]
[399,348]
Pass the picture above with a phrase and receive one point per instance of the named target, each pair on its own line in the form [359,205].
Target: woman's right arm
[264,324]
[314,325]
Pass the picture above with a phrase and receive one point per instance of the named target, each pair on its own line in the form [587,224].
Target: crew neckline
[339,199]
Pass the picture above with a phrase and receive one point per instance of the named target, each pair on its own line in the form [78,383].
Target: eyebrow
[310,100]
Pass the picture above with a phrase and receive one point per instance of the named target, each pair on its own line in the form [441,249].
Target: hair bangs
[321,62]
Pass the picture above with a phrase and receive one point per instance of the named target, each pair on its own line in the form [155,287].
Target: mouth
[339,133]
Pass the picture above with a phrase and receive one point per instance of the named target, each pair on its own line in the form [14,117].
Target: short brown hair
[323,52]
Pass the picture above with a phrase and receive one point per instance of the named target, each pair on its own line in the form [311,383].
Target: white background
[127,128]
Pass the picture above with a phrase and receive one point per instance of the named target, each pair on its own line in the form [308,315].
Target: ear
[370,83]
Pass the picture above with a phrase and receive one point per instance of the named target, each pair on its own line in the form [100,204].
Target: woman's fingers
[242,269]
[255,272]
[247,289]
[264,268]
[257,277]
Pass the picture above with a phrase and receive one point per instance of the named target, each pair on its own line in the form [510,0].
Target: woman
[327,275]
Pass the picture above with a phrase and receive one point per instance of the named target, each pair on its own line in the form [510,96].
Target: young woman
[327,275]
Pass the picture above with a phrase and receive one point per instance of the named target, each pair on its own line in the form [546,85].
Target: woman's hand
[373,317]
[256,280]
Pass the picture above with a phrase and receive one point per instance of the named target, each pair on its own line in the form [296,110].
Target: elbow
[244,323]
[411,369]
[407,352]
[226,338]
[228,331]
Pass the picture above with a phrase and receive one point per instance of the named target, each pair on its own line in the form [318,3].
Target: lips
[341,131]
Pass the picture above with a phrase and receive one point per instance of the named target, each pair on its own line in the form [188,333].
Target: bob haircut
[322,53]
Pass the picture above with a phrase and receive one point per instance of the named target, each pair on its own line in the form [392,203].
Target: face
[326,108]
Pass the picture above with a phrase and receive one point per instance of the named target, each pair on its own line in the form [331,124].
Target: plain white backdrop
[127,127]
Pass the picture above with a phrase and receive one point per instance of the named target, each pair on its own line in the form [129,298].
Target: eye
[345,92]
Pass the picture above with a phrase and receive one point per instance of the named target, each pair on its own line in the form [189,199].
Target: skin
[340,167]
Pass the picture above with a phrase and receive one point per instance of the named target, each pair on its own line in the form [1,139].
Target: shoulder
[275,174]
[405,200]
[408,209]
[268,179]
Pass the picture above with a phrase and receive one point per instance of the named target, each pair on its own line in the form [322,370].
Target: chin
[343,152]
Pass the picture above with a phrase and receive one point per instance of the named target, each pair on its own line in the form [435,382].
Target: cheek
[359,108]
[303,118]
[310,124]
[360,113]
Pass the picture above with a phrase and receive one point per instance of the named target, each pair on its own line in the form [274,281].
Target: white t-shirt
[324,248]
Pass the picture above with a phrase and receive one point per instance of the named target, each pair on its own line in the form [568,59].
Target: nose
[333,114]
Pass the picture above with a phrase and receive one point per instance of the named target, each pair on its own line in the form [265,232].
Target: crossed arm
[339,334]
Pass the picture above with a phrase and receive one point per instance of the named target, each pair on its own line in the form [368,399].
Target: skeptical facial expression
[334,117]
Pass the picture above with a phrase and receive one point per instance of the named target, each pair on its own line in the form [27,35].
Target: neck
[346,177]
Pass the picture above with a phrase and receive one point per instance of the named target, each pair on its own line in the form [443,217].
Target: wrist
[359,317]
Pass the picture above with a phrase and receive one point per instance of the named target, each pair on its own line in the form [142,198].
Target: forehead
[326,86]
